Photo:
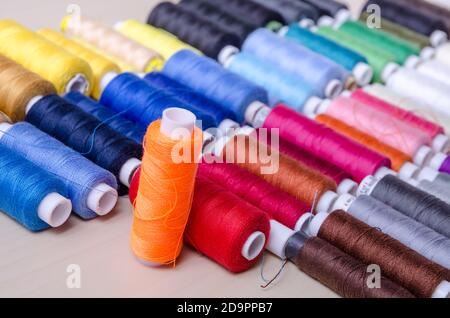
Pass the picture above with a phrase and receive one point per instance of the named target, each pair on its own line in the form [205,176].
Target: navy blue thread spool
[87,135]
[113,119]
[32,196]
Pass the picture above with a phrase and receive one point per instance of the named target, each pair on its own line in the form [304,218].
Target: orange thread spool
[398,158]
[166,187]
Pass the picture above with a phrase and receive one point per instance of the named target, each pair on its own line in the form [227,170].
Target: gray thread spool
[411,233]
[407,199]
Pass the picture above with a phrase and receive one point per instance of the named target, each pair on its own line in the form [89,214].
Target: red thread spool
[280,205]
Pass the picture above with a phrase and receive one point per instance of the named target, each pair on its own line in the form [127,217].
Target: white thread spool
[316,106]
[54,209]
[432,69]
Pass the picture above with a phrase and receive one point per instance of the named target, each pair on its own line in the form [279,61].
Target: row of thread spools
[232,204]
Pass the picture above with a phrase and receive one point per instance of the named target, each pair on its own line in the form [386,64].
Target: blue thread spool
[32,196]
[113,119]
[91,189]
[210,79]
[317,70]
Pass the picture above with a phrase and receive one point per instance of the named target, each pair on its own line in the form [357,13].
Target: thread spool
[333,268]
[441,163]
[198,32]
[320,141]
[225,117]
[161,212]
[256,14]
[100,65]
[210,79]
[320,72]
[153,38]
[218,17]
[349,59]
[286,174]
[225,228]
[434,183]
[401,32]
[420,22]
[337,10]
[441,53]
[411,84]
[292,11]
[409,104]
[342,178]
[432,69]
[144,103]
[108,40]
[400,49]
[18,43]
[282,88]
[86,135]
[113,119]
[389,130]
[440,140]
[17,87]
[409,200]
[409,232]
[32,196]
[428,280]
[91,189]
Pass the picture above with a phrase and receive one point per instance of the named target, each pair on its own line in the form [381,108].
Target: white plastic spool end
[227,124]
[441,143]
[412,62]
[54,209]
[343,16]
[78,83]
[279,236]
[334,88]
[282,32]
[388,70]
[346,93]
[127,171]
[303,222]
[108,78]
[177,119]
[428,53]
[326,201]
[347,186]
[4,127]
[102,199]
[32,102]
[252,111]
[423,156]
[428,174]
[326,21]
[408,171]
[367,185]
[438,37]
[344,202]
[306,23]
[316,224]
[118,25]
[363,73]
[437,160]
[442,290]
[383,172]
[226,54]
[312,105]
[253,245]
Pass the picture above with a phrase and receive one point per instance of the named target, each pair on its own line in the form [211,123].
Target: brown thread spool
[296,179]
[339,271]
[399,263]
[398,158]
[18,86]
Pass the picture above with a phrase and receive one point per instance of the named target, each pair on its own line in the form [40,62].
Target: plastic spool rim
[316,223]
[442,290]
[78,83]
[54,209]
[226,54]
[102,199]
[334,88]
[253,245]
[441,143]
[438,37]
[347,186]
[423,156]
[363,73]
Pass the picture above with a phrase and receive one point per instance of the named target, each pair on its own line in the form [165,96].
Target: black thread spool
[222,19]
[256,14]
[198,32]
[293,11]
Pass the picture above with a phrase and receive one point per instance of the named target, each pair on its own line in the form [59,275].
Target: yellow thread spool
[163,42]
[114,43]
[65,70]
[100,65]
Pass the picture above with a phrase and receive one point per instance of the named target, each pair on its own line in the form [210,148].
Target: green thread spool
[400,31]
[381,62]
[394,45]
